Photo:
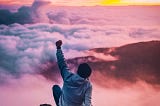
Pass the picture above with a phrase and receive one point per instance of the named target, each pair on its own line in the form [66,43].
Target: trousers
[56,93]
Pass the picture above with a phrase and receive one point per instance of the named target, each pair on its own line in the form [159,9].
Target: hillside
[138,61]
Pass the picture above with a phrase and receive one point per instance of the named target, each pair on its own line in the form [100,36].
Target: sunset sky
[86,2]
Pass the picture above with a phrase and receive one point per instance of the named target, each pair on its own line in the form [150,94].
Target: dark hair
[84,70]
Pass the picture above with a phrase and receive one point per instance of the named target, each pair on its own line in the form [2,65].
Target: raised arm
[64,70]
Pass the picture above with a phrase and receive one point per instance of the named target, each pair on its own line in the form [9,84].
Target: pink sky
[24,47]
[86,3]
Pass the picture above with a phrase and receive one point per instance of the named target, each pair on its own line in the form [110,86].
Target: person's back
[76,89]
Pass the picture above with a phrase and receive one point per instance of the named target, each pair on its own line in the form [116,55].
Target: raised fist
[59,44]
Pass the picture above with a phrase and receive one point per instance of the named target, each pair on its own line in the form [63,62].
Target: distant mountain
[138,61]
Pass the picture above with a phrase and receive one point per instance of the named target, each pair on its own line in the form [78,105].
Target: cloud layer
[28,52]
[43,11]
[33,90]
[24,48]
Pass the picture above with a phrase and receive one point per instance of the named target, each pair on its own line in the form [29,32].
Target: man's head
[84,70]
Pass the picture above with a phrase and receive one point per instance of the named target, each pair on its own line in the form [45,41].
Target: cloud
[34,90]
[129,95]
[122,92]
[30,90]
[110,16]
[22,16]
[43,11]
[59,17]
[28,53]
[30,48]
[102,56]
[25,14]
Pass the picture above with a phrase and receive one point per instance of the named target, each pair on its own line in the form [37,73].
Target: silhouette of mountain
[138,61]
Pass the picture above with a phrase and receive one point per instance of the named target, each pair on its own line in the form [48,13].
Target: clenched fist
[59,44]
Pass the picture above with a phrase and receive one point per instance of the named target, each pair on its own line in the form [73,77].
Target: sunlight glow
[106,2]
[86,2]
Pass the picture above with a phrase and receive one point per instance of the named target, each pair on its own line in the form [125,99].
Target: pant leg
[56,93]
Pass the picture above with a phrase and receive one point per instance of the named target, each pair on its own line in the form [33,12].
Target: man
[77,89]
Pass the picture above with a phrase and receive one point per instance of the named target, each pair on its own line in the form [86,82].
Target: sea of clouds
[27,47]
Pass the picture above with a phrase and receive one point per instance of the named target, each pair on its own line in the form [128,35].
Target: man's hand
[59,44]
